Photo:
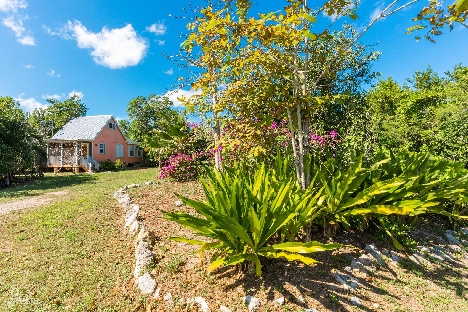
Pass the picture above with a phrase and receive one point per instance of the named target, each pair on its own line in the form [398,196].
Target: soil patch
[404,287]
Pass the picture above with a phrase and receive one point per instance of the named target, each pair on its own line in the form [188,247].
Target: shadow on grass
[45,184]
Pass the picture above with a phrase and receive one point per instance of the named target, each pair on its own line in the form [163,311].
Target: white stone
[279,301]
[252,303]
[179,203]
[201,303]
[156,293]
[148,183]
[168,300]
[144,257]
[375,253]
[132,218]
[132,186]
[146,284]
[346,281]
[224,309]
[134,227]
[356,301]
[363,264]
[310,310]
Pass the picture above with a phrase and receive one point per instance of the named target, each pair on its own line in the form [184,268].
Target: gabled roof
[82,128]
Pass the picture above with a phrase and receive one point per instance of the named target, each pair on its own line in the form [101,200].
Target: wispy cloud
[175,95]
[12,5]
[379,7]
[158,28]
[52,73]
[29,104]
[15,23]
[112,48]
[169,72]
[28,66]
[52,97]
[160,42]
[78,94]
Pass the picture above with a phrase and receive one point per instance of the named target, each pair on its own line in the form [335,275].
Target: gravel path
[35,201]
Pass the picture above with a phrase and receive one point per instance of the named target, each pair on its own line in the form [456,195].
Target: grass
[70,255]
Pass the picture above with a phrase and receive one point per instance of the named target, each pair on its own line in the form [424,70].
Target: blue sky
[109,52]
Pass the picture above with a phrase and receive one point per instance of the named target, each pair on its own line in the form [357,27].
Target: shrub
[107,165]
[119,165]
[182,167]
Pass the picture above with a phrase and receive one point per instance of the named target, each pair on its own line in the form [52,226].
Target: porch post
[61,154]
[47,155]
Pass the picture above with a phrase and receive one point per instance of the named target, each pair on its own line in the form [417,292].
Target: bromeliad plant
[248,216]
[404,184]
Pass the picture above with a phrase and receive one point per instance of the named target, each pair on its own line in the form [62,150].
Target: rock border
[366,263]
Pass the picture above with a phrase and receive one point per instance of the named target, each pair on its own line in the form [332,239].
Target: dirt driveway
[35,201]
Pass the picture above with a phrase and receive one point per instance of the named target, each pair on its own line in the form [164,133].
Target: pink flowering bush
[182,167]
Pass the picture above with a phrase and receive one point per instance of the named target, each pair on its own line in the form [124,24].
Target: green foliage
[119,165]
[20,144]
[404,184]
[51,119]
[107,165]
[245,214]
[428,116]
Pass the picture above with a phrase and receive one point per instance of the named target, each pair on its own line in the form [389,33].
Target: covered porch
[70,154]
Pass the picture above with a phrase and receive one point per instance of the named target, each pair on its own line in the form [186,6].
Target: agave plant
[244,215]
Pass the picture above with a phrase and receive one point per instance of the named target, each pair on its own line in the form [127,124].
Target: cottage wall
[111,138]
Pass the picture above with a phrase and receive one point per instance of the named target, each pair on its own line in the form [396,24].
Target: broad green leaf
[305,247]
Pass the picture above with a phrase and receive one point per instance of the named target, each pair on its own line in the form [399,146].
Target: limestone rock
[279,302]
[356,301]
[375,253]
[149,183]
[224,309]
[310,310]
[156,293]
[346,281]
[451,239]
[134,227]
[146,284]
[168,300]
[144,257]
[201,304]
[179,203]
[363,264]
[252,303]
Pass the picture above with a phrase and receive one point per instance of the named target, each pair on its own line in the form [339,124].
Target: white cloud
[113,48]
[27,40]
[119,118]
[79,94]
[52,73]
[158,28]
[178,93]
[169,72]
[15,23]
[12,5]
[52,97]
[377,11]
[29,104]
[160,42]
[28,66]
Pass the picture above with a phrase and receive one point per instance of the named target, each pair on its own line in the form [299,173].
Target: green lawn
[71,255]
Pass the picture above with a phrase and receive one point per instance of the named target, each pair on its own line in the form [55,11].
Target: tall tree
[19,141]
[51,119]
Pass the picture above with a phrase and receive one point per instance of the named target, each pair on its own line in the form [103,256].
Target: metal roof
[82,128]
